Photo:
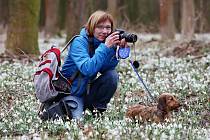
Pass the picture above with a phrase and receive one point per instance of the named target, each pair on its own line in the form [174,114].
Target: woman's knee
[112,77]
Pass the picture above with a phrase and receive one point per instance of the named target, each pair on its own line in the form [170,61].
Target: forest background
[20,18]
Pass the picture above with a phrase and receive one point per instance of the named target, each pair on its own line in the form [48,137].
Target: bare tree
[167,25]
[76,16]
[201,15]
[188,19]
[112,8]
[22,33]
[51,17]
[4,11]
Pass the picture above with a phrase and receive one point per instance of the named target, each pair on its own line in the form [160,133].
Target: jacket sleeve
[86,65]
[111,62]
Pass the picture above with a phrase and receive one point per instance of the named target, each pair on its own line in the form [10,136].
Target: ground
[173,66]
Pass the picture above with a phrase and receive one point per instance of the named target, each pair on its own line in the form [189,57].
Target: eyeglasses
[101,27]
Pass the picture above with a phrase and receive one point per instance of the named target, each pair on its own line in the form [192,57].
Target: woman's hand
[123,43]
[112,39]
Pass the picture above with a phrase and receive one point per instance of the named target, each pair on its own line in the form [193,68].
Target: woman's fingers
[112,39]
[123,43]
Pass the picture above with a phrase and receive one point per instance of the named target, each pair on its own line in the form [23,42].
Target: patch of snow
[205,37]
[45,43]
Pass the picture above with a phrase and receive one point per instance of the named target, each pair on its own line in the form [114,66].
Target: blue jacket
[78,58]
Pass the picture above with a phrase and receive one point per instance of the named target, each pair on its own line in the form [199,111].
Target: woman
[93,52]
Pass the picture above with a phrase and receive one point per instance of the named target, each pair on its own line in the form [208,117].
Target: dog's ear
[162,103]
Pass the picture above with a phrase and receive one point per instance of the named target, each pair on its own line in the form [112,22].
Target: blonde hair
[96,18]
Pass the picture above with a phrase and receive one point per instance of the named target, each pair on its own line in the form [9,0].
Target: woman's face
[102,30]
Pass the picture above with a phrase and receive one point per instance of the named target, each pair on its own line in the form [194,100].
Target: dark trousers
[102,90]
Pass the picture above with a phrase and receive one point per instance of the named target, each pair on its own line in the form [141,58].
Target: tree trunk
[188,19]
[167,25]
[62,14]
[202,8]
[112,8]
[132,9]
[76,16]
[4,11]
[51,17]
[22,33]
[148,11]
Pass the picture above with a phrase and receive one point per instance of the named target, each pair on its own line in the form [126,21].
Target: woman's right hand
[112,39]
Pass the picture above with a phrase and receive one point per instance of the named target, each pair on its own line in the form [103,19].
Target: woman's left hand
[123,43]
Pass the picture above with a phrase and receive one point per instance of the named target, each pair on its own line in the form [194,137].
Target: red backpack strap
[45,62]
[49,72]
[57,53]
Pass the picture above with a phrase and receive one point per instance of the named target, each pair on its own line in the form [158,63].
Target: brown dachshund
[158,113]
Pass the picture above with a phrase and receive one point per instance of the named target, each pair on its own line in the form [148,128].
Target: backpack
[52,89]
[48,80]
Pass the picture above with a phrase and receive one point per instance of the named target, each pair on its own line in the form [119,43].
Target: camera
[129,37]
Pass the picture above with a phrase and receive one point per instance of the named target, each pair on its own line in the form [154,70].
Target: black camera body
[129,37]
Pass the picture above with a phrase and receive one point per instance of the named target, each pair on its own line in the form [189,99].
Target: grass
[187,78]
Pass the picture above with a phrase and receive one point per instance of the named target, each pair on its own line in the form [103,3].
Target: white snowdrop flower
[32,131]
[129,72]
[172,131]
[171,137]
[142,134]
[159,125]
[80,134]
[24,137]
[67,126]
[175,125]
[127,99]
[180,126]
[115,132]
[5,131]
[20,120]
[163,136]
[29,120]
[155,132]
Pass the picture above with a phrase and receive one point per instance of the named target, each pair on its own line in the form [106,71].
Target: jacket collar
[96,42]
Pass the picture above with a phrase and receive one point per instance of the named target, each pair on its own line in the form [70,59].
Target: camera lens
[129,37]
[133,37]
